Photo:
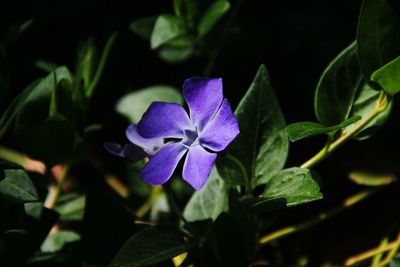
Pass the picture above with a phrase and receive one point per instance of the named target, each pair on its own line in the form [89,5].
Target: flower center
[190,137]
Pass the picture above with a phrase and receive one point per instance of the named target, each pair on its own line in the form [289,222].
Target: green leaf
[86,63]
[337,86]
[262,204]
[166,28]
[296,185]
[208,202]
[55,242]
[134,104]
[45,65]
[17,186]
[71,207]
[300,130]
[174,54]
[211,16]
[371,179]
[395,262]
[262,145]
[363,106]
[4,73]
[378,35]
[388,76]
[143,27]
[150,246]
[234,171]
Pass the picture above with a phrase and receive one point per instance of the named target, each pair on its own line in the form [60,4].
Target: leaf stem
[100,68]
[348,202]
[22,160]
[55,191]
[330,147]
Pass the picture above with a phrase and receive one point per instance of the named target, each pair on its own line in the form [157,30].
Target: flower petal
[150,145]
[162,165]
[203,96]
[197,167]
[164,120]
[221,130]
[129,151]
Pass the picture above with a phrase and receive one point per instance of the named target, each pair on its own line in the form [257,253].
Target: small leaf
[150,246]
[17,186]
[300,130]
[388,76]
[208,202]
[211,16]
[337,86]
[371,179]
[143,27]
[55,242]
[363,106]
[296,185]
[86,63]
[262,144]
[166,28]
[134,104]
[378,37]
[71,207]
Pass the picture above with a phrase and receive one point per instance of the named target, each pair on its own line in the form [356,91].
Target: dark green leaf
[4,75]
[211,16]
[150,246]
[364,105]
[378,35]
[337,86]
[134,104]
[233,170]
[296,185]
[166,28]
[55,242]
[17,186]
[300,130]
[262,204]
[208,202]
[143,27]
[262,145]
[388,76]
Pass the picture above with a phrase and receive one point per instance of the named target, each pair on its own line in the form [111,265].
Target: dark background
[295,39]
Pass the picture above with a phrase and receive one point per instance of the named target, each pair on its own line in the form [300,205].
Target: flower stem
[330,147]
[22,160]
[55,191]
[156,192]
[350,201]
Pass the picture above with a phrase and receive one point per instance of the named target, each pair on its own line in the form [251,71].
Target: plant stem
[350,201]
[100,68]
[56,190]
[156,192]
[330,147]
[22,160]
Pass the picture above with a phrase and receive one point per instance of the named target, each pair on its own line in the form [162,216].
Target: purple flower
[167,133]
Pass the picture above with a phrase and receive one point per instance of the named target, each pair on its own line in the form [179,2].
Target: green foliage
[166,28]
[18,187]
[262,145]
[211,16]
[134,104]
[55,242]
[208,202]
[300,130]
[364,104]
[377,37]
[143,27]
[71,207]
[388,76]
[336,88]
[150,246]
[296,185]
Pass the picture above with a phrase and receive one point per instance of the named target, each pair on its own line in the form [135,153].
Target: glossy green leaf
[378,35]
[4,75]
[337,86]
[363,106]
[134,104]
[18,187]
[71,207]
[166,28]
[262,144]
[388,76]
[296,185]
[212,15]
[300,130]
[143,27]
[55,242]
[150,246]
[208,202]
